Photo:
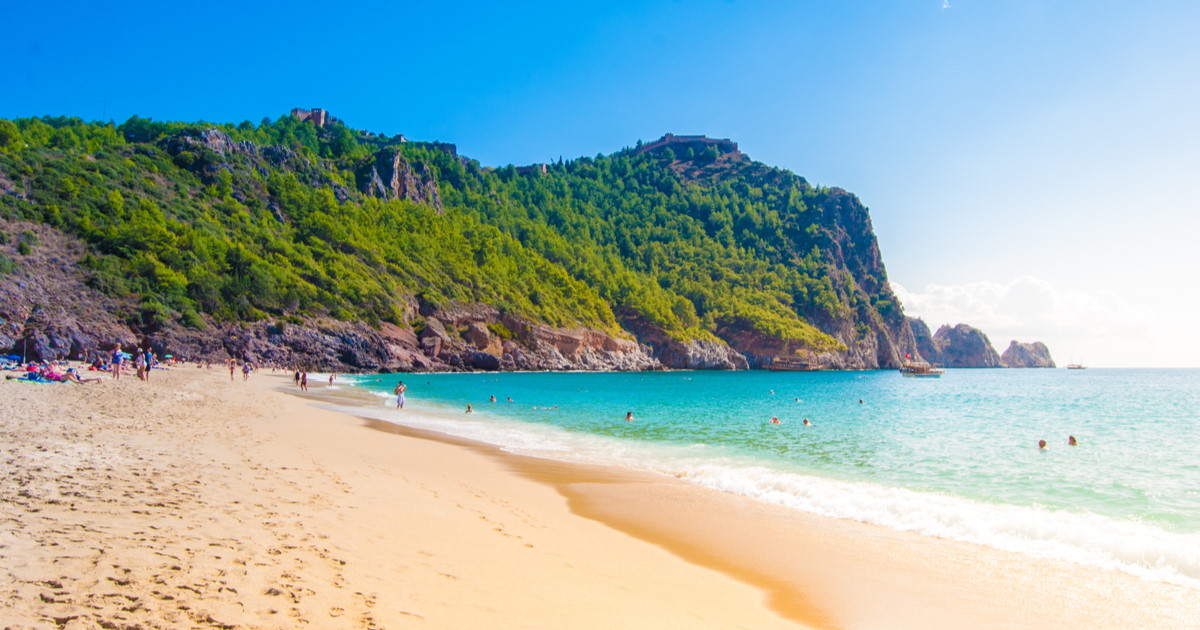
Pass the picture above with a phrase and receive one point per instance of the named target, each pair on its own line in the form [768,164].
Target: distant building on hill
[723,145]
[321,118]
[318,116]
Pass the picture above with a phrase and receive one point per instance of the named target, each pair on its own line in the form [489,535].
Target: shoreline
[774,547]
[194,500]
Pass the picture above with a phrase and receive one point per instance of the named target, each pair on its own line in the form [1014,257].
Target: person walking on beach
[304,381]
[148,359]
[116,362]
[296,379]
[399,391]
[232,366]
[245,370]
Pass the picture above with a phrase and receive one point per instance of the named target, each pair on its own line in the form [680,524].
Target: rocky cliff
[1026,355]
[390,176]
[871,330]
[48,311]
[923,338]
[961,346]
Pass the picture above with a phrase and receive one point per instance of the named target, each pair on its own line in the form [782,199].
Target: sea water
[954,457]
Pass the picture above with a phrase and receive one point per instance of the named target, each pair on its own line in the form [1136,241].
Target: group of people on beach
[142,359]
[47,372]
[114,361]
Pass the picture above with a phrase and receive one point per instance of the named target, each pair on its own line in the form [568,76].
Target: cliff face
[48,311]
[875,332]
[1026,355]
[390,176]
[964,346]
[959,347]
[926,348]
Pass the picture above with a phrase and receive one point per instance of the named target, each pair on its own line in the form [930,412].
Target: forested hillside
[684,250]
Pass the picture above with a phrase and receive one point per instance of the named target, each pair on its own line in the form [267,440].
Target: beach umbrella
[125,355]
[13,357]
[168,356]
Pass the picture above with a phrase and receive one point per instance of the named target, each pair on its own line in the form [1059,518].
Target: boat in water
[792,364]
[1076,366]
[921,369]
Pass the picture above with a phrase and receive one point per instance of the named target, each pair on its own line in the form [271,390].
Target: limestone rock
[699,354]
[391,176]
[1026,355]
[961,346]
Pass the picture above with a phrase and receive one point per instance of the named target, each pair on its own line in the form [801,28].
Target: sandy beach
[195,501]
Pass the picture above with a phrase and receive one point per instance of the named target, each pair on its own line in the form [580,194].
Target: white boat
[921,369]
[792,364]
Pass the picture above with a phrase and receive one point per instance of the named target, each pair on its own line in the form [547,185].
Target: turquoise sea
[954,457]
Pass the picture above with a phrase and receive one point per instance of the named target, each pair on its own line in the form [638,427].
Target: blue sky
[1029,165]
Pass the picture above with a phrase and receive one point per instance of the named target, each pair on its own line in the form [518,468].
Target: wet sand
[194,501]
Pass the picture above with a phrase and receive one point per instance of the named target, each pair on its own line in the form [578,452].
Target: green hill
[685,244]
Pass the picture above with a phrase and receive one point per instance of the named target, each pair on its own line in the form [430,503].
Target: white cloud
[1031,309]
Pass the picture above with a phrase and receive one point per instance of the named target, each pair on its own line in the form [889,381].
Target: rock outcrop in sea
[960,346]
[1026,355]
[964,346]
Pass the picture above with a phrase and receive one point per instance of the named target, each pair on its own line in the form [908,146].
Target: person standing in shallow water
[399,391]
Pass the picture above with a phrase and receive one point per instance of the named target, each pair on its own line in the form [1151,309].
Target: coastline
[195,500]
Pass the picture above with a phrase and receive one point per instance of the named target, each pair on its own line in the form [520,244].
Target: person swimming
[807,423]
[629,416]
[469,409]
[1071,441]
[1042,444]
[775,420]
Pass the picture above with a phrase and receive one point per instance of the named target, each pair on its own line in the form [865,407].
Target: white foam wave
[1134,547]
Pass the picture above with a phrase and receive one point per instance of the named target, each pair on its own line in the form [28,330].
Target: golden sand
[195,501]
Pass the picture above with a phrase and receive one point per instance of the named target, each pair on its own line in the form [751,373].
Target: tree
[343,142]
[10,137]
